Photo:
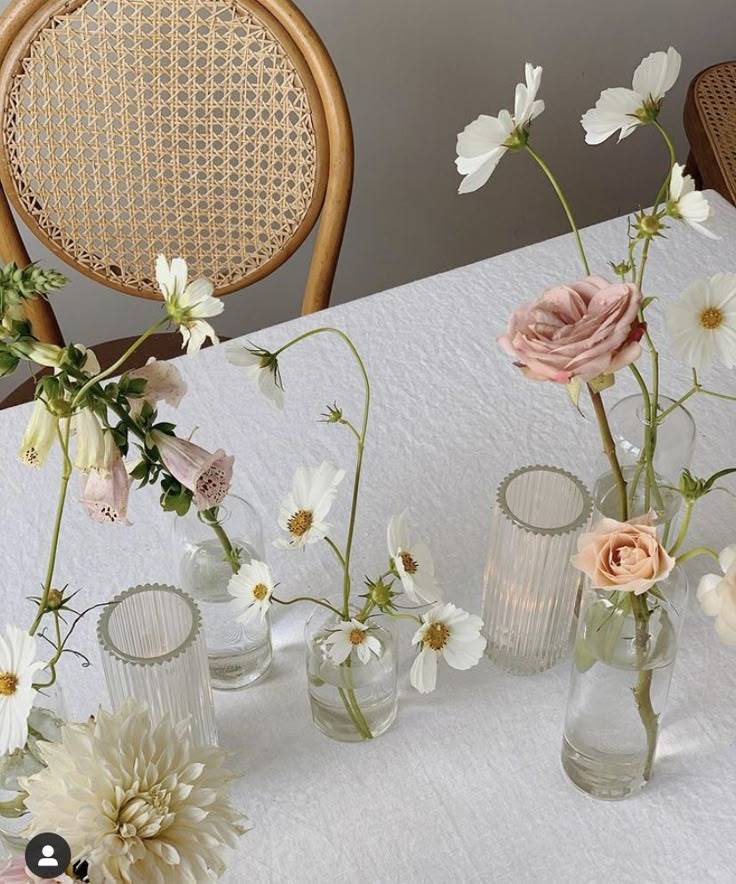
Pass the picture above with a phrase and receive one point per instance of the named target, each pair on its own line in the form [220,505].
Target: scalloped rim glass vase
[530,587]
[153,650]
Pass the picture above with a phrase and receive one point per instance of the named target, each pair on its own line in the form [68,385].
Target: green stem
[118,362]
[210,518]
[308,598]
[350,703]
[358,718]
[66,472]
[336,549]
[684,526]
[643,689]
[565,204]
[361,448]
[397,616]
[673,159]
[719,395]
[51,665]
[667,411]
[609,448]
[697,551]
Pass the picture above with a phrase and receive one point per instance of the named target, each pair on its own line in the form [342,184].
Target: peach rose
[624,556]
[581,331]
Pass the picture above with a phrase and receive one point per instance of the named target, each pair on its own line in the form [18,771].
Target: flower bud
[36,351]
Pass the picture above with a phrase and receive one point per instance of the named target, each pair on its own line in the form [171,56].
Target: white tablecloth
[467,785]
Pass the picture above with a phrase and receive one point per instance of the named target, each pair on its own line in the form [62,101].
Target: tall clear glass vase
[647,488]
[622,668]
[238,654]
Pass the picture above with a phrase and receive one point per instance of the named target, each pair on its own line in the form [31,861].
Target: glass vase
[238,654]
[621,675]
[647,489]
[153,650]
[351,701]
[530,586]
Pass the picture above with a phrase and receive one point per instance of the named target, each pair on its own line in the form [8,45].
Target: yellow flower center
[410,564]
[300,523]
[260,591]
[711,318]
[8,683]
[356,636]
[436,635]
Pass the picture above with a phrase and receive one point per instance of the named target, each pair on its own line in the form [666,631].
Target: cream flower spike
[622,110]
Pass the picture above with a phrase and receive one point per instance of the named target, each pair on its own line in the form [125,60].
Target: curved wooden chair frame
[333,174]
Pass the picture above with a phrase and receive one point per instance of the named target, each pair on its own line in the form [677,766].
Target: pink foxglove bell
[206,475]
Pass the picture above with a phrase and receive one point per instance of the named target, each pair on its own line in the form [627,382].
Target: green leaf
[647,301]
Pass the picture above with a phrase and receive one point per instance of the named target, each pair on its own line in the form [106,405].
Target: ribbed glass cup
[530,586]
[153,650]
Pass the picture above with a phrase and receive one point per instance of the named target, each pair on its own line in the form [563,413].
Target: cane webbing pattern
[715,99]
[133,127]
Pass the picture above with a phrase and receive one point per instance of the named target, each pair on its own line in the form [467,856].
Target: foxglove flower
[206,475]
[40,435]
[702,323]
[305,509]
[413,562]
[717,596]
[448,632]
[352,635]
[187,303]
[104,493]
[141,802]
[261,367]
[89,453]
[18,666]
[252,586]
[483,142]
[49,355]
[164,383]
[687,203]
[625,109]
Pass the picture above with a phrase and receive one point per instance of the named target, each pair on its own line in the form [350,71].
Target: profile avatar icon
[48,855]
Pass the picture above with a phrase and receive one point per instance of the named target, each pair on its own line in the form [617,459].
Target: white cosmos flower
[625,109]
[141,802]
[18,665]
[40,435]
[717,596]
[687,203]
[447,632]
[260,366]
[483,142]
[252,586]
[352,635]
[187,303]
[305,508]
[703,322]
[413,562]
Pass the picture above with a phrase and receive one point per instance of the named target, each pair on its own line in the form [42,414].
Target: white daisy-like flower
[187,303]
[140,801]
[625,109]
[447,632]
[702,322]
[413,562]
[483,142]
[18,666]
[717,596]
[688,204]
[352,635]
[40,435]
[260,366]
[252,586]
[305,508]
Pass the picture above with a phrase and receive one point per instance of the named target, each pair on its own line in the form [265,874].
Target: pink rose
[583,330]
[624,556]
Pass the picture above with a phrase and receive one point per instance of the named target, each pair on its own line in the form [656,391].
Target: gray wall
[415,72]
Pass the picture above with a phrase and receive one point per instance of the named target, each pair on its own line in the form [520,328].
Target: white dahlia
[140,802]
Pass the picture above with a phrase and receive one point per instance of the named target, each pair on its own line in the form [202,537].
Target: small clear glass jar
[673,452]
[351,701]
[238,654]
[620,681]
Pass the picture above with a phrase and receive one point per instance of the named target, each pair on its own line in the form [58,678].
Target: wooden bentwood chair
[212,129]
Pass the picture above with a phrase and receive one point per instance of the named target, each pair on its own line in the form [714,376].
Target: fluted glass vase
[353,700]
[624,657]
[530,586]
[647,488]
[238,654]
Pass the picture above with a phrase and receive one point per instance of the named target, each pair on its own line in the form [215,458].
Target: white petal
[483,135]
[464,655]
[614,110]
[708,594]
[656,74]
[178,276]
[476,180]
[727,558]
[423,675]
